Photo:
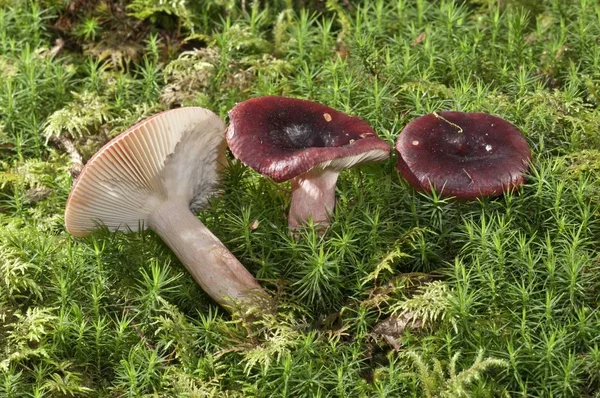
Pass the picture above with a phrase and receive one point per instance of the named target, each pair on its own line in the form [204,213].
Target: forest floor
[405,294]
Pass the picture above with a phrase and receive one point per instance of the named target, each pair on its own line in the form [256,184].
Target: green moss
[117,315]
[586,162]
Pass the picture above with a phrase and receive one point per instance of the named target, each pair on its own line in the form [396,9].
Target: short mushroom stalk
[313,197]
[212,266]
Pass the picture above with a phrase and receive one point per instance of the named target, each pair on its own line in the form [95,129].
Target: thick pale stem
[213,267]
[313,196]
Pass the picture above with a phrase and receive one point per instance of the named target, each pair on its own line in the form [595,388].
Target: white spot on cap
[415,142]
[488,147]
[327,117]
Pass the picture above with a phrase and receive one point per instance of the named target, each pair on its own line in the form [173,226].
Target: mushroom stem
[313,196]
[213,267]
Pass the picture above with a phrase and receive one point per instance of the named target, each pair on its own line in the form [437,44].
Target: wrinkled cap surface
[283,137]
[172,155]
[488,157]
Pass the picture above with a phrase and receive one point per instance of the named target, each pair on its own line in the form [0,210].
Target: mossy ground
[508,288]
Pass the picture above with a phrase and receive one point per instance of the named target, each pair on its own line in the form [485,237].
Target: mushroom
[154,175]
[305,142]
[465,155]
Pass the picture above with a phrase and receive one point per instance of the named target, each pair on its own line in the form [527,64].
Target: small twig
[141,336]
[419,39]
[469,175]
[460,130]
[58,46]
[68,146]
[348,5]
[132,30]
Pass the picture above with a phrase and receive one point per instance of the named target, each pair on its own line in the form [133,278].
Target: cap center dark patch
[307,131]
[467,146]
[302,136]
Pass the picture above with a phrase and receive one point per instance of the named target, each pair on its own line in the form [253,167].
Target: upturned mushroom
[305,142]
[154,175]
[465,155]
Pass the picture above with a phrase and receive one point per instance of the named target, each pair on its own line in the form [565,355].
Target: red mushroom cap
[283,137]
[466,155]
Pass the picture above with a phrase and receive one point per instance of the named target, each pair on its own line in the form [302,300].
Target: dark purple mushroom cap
[283,137]
[466,155]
